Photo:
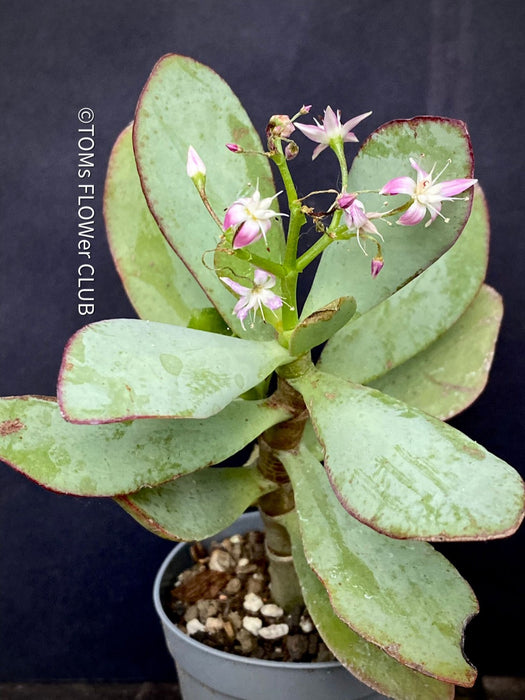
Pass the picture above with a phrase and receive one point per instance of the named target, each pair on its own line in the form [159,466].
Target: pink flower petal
[422,174]
[319,149]
[345,200]
[451,187]
[331,120]
[349,125]
[249,232]
[272,301]
[235,215]
[399,185]
[241,309]
[261,277]
[237,288]
[315,133]
[413,215]
[357,214]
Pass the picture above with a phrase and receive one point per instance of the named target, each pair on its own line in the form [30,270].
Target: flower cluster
[249,218]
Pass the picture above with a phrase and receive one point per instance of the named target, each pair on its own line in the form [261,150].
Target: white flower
[255,297]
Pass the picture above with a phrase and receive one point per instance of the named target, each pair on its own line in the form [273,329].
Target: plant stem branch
[297,220]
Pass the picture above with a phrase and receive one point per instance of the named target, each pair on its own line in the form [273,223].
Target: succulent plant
[355,471]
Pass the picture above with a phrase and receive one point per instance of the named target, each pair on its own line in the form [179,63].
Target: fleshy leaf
[412,318]
[402,596]
[450,374]
[199,505]
[157,282]
[125,368]
[185,103]
[368,662]
[407,250]
[405,473]
[104,460]
[311,441]
[321,325]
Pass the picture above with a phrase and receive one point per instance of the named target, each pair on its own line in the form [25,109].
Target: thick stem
[284,436]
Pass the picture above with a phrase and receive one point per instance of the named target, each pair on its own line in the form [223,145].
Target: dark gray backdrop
[75,575]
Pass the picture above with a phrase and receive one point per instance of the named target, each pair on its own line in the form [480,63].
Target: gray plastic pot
[207,674]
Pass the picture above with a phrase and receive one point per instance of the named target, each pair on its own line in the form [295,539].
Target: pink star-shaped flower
[426,193]
[255,297]
[330,130]
[252,215]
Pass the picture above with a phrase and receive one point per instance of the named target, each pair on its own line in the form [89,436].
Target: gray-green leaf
[365,660]
[118,458]
[405,473]
[125,368]
[321,325]
[199,505]
[159,285]
[402,596]
[185,103]
[450,374]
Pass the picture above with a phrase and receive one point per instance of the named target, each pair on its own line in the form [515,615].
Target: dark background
[76,575]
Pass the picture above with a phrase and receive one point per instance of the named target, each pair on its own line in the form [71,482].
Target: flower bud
[376,265]
[291,150]
[194,165]
[305,109]
[280,125]
[234,148]
[196,169]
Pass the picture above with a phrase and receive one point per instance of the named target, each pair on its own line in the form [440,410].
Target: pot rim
[217,652]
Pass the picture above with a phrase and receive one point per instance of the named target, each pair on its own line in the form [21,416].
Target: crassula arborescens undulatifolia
[355,472]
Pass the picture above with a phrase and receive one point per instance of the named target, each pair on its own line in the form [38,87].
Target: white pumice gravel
[219,618]
[274,631]
[306,625]
[214,625]
[220,560]
[195,626]
[252,602]
[252,624]
[271,610]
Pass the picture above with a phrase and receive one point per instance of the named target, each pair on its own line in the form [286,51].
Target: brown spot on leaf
[11,426]
[239,133]
[318,316]
[473,452]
